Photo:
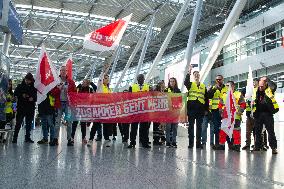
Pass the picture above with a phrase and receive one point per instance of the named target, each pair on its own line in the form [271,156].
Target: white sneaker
[90,143]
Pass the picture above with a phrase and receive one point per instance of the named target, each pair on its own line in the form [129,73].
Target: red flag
[46,76]
[108,37]
[229,113]
[69,67]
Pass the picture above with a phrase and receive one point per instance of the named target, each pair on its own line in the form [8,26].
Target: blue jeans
[206,121]
[216,120]
[63,109]
[47,123]
[171,132]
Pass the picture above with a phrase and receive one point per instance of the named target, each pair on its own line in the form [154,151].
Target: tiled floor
[40,166]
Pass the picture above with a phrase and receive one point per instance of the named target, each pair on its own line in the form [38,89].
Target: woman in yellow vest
[10,114]
[171,128]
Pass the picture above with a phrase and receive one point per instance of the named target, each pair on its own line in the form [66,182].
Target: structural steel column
[221,39]
[192,36]
[5,50]
[142,56]
[137,47]
[167,40]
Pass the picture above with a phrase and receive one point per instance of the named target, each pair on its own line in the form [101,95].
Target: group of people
[205,106]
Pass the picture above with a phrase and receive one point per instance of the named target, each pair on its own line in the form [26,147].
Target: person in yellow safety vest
[10,114]
[264,107]
[197,107]
[107,127]
[215,93]
[143,126]
[241,105]
[250,120]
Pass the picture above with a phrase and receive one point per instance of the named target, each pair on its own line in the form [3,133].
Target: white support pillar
[137,47]
[117,54]
[142,56]
[220,41]
[192,36]
[167,40]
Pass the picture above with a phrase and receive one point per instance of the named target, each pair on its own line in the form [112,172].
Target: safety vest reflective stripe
[217,96]
[269,94]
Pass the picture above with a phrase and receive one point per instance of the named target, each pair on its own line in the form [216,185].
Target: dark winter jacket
[23,103]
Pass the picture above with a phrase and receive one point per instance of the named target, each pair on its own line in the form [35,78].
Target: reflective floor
[40,166]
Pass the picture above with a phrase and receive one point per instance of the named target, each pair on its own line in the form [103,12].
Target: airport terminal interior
[73,71]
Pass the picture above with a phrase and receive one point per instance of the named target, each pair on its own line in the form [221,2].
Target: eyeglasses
[218,79]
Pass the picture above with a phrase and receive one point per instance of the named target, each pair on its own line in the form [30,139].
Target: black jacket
[23,104]
[263,104]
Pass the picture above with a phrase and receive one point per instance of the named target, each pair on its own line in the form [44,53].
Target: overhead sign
[10,21]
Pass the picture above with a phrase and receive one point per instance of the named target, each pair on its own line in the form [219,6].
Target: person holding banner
[171,128]
[82,88]
[197,105]
[215,93]
[60,92]
[241,105]
[264,107]
[144,131]
[26,95]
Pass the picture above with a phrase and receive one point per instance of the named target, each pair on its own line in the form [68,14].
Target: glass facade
[256,43]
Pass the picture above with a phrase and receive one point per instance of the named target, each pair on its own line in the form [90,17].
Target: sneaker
[157,143]
[168,145]
[90,143]
[246,147]
[146,146]
[236,148]
[70,143]
[29,140]
[219,147]
[190,146]
[43,141]
[174,145]
[98,139]
[274,151]
[131,146]
[52,142]
[84,141]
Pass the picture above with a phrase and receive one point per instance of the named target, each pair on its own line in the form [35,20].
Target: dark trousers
[267,120]
[192,116]
[114,130]
[83,129]
[108,130]
[216,120]
[96,128]
[157,133]
[143,135]
[19,120]
[124,130]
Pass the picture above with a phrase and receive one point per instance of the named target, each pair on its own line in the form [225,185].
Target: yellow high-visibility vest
[217,96]
[106,89]
[197,93]
[136,88]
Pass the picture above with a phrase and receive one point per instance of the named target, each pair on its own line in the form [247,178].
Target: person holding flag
[231,108]
[60,92]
